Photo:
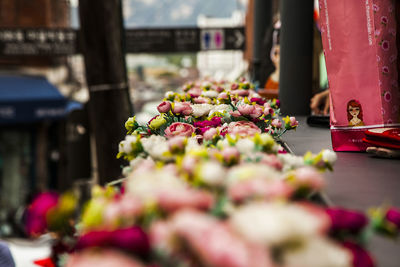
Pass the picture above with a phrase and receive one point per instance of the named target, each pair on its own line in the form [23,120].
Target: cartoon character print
[354,113]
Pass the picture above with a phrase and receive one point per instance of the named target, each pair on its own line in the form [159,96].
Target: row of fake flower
[209,185]
[183,227]
[182,214]
[214,106]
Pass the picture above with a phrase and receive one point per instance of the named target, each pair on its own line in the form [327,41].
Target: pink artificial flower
[260,187]
[293,122]
[223,96]
[195,92]
[393,216]
[276,123]
[177,144]
[132,239]
[243,128]
[164,107]
[161,235]
[231,155]
[361,257]
[189,163]
[235,113]
[202,130]
[308,177]
[258,100]
[101,258]
[271,160]
[269,130]
[346,220]
[174,200]
[201,100]
[242,92]
[182,108]
[36,222]
[214,122]
[234,86]
[209,134]
[267,109]
[257,112]
[245,109]
[215,244]
[179,129]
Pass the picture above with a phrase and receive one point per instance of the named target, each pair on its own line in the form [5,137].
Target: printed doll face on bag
[354,113]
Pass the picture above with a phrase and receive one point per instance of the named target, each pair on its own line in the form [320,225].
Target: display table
[359,181]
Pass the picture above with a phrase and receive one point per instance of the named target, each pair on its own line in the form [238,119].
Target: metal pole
[262,21]
[295,81]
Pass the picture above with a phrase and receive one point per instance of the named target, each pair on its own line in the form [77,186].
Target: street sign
[61,42]
[38,41]
[212,39]
[163,40]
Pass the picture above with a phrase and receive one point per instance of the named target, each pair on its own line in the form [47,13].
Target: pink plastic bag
[359,40]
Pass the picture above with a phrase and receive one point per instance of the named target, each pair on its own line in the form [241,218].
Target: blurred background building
[52,151]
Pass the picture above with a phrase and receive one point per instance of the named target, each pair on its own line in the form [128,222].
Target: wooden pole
[101,39]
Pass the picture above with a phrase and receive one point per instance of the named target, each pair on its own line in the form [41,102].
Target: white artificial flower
[291,161]
[251,171]
[147,183]
[136,162]
[156,146]
[211,173]
[245,146]
[317,252]
[329,156]
[201,109]
[275,224]
[169,94]
[192,144]
[126,145]
[222,108]
[210,94]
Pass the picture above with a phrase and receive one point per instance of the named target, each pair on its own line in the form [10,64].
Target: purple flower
[258,100]
[361,257]
[346,220]
[36,222]
[393,216]
[132,239]
[214,122]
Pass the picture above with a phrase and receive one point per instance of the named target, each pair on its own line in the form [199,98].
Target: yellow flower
[157,122]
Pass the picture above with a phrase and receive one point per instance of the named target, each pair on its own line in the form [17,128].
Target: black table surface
[359,181]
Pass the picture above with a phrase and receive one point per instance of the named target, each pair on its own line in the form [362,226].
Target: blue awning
[25,99]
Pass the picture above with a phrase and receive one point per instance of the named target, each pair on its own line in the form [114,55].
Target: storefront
[32,137]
